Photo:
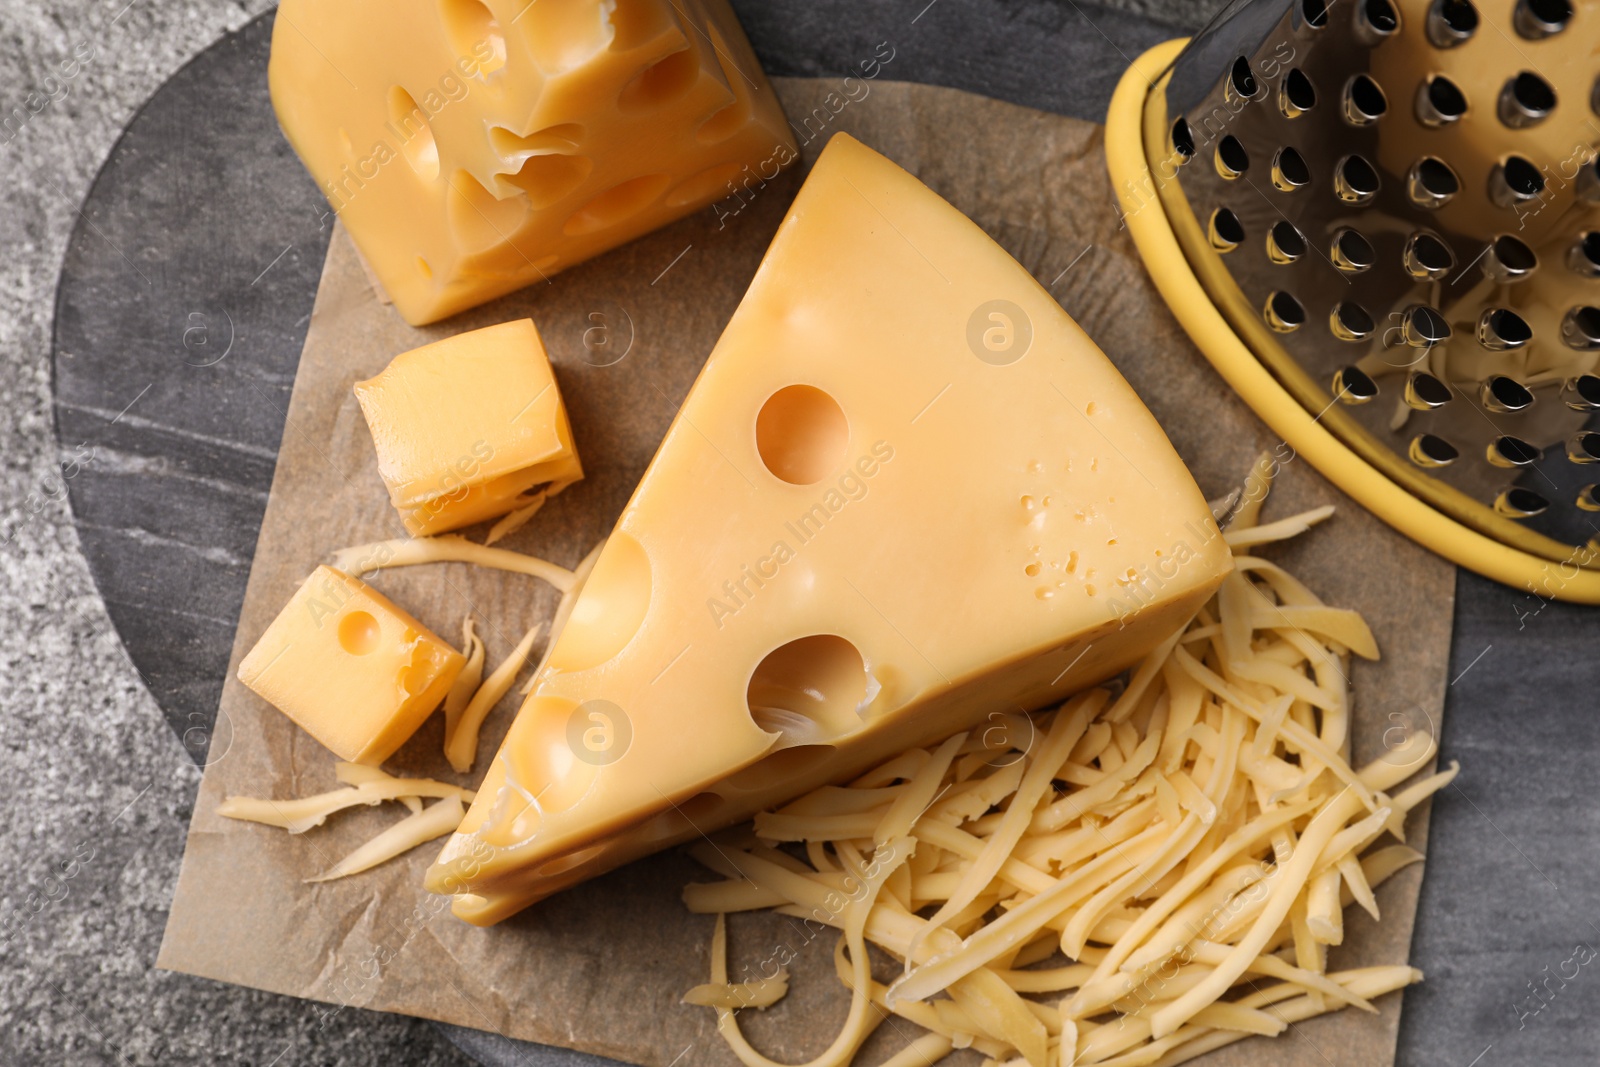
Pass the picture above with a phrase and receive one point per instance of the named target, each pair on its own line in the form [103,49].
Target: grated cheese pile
[1178,853]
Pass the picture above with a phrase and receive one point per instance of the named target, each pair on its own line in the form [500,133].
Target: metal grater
[1395,204]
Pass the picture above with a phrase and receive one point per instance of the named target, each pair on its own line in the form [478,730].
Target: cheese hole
[424,270]
[706,187]
[802,434]
[548,179]
[616,204]
[473,29]
[478,220]
[563,138]
[564,36]
[414,679]
[660,83]
[548,168]
[610,609]
[725,123]
[416,136]
[809,690]
[542,762]
[636,22]
[359,633]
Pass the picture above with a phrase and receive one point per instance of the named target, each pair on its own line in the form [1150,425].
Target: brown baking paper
[602,968]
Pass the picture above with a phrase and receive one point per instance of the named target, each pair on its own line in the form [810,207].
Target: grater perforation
[1396,206]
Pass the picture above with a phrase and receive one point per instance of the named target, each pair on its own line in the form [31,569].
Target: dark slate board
[183,304]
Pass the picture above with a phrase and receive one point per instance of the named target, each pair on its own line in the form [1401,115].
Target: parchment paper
[601,968]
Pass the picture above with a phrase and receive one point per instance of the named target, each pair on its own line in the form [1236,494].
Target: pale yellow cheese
[350,668]
[466,426]
[906,492]
[1184,897]
[472,147]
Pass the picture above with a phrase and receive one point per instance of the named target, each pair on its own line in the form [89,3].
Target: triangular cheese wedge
[906,495]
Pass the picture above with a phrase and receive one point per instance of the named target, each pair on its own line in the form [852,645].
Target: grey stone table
[181,307]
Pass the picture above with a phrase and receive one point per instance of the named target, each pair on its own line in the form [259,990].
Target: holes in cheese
[809,690]
[802,434]
[661,82]
[563,37]
[1176,901]
[471,25]
[350,668]
[728,121]
[539,774]
[359,633]
[718,179]
[566,138]
[617,205]
[418,146]
[826,562]
[577,117]
[466,427]
[550,177]
[569,598]
[615,598]
[479,219]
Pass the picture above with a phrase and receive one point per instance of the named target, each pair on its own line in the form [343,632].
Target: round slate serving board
[181,311]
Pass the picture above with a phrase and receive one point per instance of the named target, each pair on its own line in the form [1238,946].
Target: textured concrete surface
[98,788]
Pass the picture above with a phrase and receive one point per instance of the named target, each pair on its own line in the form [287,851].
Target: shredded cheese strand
[431,823]
[1281,530]
[517,518]
[758,993]
[446,548]
[302,813]
[461,746]
[361,774]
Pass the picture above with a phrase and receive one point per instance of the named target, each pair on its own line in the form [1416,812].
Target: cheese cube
[351,669]
[473,147]
[465,427]
[906,494]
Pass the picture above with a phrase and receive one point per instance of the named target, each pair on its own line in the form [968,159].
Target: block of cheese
[467,426]
[906,494]
[350,668]
[473,147]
